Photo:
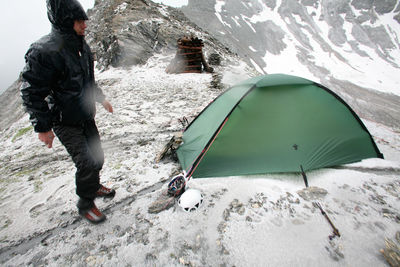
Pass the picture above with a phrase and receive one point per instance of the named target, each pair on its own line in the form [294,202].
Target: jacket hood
[62,14]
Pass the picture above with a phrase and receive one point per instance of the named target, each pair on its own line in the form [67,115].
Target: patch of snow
[218,10]
[252,48]
[255,65]
[172,3]
[121,8]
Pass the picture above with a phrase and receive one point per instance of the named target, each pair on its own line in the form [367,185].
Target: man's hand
[107,106]
[47,138]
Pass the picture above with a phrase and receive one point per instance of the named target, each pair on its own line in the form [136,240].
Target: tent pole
[304,175]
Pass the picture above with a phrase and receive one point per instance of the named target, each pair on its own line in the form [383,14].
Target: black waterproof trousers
[83,145]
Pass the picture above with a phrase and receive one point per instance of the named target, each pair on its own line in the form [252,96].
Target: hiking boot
[88,210]
[94,215]
[105,192]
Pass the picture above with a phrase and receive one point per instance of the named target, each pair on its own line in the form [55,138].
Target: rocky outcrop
[125,33]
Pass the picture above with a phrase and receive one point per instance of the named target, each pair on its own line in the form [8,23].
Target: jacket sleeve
[37,78]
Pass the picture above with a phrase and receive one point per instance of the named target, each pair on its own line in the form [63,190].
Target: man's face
[79,27]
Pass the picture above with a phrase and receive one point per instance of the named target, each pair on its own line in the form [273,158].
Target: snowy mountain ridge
[341,39]
[261,220]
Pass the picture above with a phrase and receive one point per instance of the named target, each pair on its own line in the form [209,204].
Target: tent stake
[304,175]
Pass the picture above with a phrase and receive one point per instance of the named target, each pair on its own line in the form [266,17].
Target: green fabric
[281,122]
[199,133]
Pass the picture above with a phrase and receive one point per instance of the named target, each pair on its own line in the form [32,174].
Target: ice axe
[335,230]
[318,205]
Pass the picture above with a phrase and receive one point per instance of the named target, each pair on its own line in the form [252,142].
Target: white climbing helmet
[190,200]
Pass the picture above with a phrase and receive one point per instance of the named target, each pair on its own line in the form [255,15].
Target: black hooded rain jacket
[58,79]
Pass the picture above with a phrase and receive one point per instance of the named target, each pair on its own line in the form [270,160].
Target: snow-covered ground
[262,220]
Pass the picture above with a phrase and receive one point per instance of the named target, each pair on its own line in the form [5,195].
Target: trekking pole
[335,230]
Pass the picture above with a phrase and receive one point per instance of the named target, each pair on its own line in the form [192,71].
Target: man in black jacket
[60,94]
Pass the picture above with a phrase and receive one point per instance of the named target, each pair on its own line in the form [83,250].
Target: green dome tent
[274,123]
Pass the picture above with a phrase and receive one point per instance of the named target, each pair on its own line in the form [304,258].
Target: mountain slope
[350,33]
